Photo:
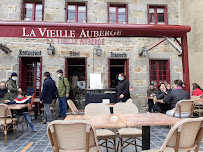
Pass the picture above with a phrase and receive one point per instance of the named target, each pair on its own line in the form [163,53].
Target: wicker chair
[72,136]
[183,109]
[102,134]
[129,101]
[6,120]
[198,109]
[129,133]
[73,109]
[186,135]
[52,107]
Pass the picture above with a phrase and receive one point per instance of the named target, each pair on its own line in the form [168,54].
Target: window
[32,11]
[157,15]
[76,13]
[159,72]
[118,14]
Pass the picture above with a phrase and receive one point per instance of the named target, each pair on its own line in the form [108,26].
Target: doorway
[76,73]
[117,66]
[30,74]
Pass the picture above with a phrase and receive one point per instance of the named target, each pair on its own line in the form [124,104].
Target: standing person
[197,90]
[123,93]
[12,86]
[47,95]
[4,94]
[161,93]
[63,90]
[151,93]
[174,96]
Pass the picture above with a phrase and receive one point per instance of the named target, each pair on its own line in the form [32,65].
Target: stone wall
[191,14]
[97,13]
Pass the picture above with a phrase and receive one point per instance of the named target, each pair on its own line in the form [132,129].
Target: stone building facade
[97,12]
[191,15]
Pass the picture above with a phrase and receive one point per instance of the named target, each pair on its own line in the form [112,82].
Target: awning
[76,30]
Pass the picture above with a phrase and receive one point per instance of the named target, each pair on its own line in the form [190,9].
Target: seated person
[162,92]
[168,88]
[21,99]
[174,96]
[4,94]
[151,93]
[197,90]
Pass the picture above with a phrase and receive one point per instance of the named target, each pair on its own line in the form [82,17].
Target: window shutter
[23,10]
[66,9]
[42,10]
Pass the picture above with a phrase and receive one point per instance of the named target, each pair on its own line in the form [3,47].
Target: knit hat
[14,74]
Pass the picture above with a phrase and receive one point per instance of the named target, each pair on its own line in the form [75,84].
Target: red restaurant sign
[83,31]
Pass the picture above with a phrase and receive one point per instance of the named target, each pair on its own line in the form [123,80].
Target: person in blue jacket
[22,99]
[47,95]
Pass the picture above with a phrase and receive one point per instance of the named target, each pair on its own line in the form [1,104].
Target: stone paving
[41,142]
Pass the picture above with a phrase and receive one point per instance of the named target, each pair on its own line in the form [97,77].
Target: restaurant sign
[88,41]
[118,55]
[29,53]
[63,33]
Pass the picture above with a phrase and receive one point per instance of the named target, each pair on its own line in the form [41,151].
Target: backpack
[55,94]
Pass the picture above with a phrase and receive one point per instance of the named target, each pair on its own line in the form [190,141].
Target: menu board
[95,81]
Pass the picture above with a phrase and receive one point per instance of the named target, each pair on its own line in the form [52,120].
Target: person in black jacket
[46,98]
[161,93]
[123,93]
[175,95]
[151,93]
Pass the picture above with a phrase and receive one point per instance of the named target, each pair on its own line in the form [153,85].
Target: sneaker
[44,122]
[148,112]
[34,130]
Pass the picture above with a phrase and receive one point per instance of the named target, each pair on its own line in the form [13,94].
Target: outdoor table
[111,105]
[99,121]
[17,106]
[146,120]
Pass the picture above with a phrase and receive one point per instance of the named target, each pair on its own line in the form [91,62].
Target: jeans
[47,113]
[150,105]
[27,117]
[62,107]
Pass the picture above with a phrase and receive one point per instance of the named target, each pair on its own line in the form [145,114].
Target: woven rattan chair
[198,109]
[183,109]
[129,101]
[129,133]
[6,120]
[72,136]
[52,107]
[102,134]
[73,109]
[186,135]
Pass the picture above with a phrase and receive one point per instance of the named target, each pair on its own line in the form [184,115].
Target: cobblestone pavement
[40,143]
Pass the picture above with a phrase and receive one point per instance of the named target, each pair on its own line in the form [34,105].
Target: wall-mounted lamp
[98,51]
[143,51]
[50,50]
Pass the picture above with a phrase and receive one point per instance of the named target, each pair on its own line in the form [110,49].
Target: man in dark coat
[123,93]
[46,98]
[12,86]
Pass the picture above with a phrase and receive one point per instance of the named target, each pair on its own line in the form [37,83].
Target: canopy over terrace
[71,30]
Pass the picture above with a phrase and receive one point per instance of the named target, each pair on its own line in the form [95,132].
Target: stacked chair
[105,135]
[129,133]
